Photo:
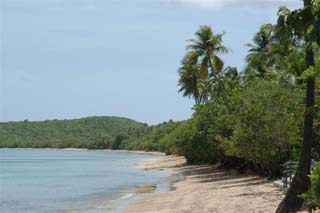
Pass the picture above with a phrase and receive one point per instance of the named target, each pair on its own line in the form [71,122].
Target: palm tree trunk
[221,85]
[301,182]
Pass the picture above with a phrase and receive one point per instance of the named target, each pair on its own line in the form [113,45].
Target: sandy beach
[205,189]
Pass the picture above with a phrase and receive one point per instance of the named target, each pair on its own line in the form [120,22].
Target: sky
[63,59]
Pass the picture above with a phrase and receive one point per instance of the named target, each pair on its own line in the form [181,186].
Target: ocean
[72,181]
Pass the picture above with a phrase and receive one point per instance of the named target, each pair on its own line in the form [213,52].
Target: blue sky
[77,58]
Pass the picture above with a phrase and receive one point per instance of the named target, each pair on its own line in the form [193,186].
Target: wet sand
[207,188]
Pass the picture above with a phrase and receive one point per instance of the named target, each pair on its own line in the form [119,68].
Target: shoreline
[102,150]
[206,189]
[194,188]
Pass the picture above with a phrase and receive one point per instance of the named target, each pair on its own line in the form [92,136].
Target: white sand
[207,189]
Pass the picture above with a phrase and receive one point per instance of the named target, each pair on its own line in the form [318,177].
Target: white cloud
[238,3]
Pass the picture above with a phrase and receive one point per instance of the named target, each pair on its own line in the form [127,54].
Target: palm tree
[228,75]
[206,48]
[231,77]
[190,78]
[301,182]
[275,54]
[260,58]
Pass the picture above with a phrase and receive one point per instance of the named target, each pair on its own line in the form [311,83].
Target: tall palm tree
[206,48]
[190,79]
[275,54]
[260,58]
[306,25]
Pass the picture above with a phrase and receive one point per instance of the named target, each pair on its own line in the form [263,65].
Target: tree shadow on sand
[225,178]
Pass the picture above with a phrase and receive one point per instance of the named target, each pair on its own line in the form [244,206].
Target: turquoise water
[39,181]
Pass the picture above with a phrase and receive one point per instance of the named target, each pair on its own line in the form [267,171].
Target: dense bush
[190,142]
[267,121]
[151,137]
[312,197]
[316,148]
[263,130]
[198,138]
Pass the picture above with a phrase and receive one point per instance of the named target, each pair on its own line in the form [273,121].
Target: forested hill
[91,132]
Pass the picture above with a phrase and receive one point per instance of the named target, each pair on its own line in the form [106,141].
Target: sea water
[45,181]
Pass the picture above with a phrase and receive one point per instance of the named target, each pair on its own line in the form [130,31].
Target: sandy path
[207,189]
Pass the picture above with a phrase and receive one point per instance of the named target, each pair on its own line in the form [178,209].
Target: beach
[206,188]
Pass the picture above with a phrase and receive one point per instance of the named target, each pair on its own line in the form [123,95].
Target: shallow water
[38,181]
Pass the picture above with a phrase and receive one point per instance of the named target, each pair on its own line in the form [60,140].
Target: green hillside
[91,132]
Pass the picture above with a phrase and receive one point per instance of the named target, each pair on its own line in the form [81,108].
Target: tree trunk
[221,85]
[301,182]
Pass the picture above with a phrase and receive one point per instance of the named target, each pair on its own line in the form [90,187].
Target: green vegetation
[265,125]
[202,65]
[263,129]
[195,139]
[258,118]
[255,117]
[315,185]
[312,197]
[152,138]
[90,133]
[266,114]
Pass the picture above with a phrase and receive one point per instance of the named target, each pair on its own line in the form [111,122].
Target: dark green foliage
[202,133]
[151,138]
[260,58]
[119,140]
[267,123]
[262,132]
[201,69]
[312,197]
[196,139]
[263,126]
[91,133]
[304,23]
[316,148]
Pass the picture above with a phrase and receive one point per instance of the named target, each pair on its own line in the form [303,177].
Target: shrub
[267,125]
[312,197]
[197,138]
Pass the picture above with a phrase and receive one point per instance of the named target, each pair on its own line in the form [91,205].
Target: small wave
[126,196]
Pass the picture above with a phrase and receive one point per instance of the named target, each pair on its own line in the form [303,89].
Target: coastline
[206,189]
[102,150]
[194,188]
